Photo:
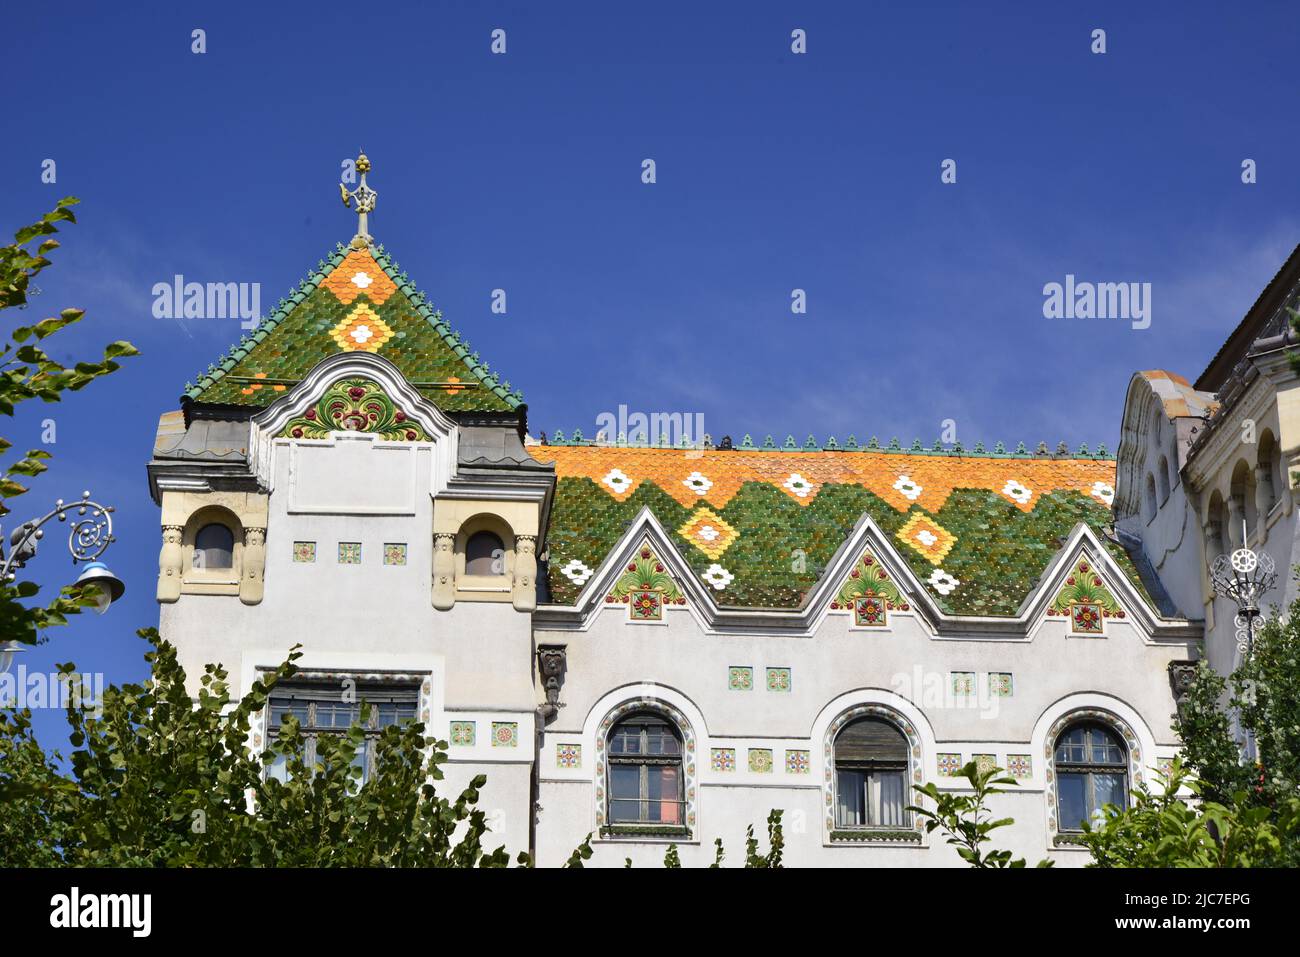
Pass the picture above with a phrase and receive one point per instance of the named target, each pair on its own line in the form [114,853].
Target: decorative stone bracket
[252,582]
[444,570]
[552,663]
[169,563]
[1181,675]
[523,592]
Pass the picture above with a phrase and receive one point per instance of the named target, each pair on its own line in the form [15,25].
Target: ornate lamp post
[1244,576]
[88,538]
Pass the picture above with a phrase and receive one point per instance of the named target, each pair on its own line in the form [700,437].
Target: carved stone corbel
[252,580]
[444,570]
[523,591]
[169,563]
[552,663]
[1181,676]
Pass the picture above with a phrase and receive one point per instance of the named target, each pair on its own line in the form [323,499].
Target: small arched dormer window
[646,783]
[1149,501]
[871,775]
[214,547]
[1162,479]
[1266,470]
[1091,772]
[485,554]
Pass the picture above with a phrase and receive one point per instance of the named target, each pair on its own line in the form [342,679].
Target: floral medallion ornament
[798,486]
[907,488]
[717,576]
[617,481]
[355,405]
[646,587]
[709,532]
[870,593]
[697,483]
[1017,492]
[942,582]
[647,605]
[576,572]
[1085,600]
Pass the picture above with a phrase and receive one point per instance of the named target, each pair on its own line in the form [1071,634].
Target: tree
[966,820]
[28,372]
[1167,830]
[1264,694]
[161,780]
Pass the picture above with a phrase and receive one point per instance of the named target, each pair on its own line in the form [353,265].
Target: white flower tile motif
[942,582]
[1017,492]
[1104,492]
[909,489]
[927,537]
[718,577]
[576,572]
[697,483]
[708,533]
[361,281]
[798,485]
[617,481]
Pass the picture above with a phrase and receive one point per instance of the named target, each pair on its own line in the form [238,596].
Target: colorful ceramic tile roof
[358,299]
[1177,395]
[759,525]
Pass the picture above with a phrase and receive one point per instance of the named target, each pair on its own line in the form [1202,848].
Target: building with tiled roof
[658,643]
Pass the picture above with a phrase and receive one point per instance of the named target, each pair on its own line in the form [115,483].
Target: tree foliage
[965,819]
[28,372]
[1166,829]
[157,779]
[1264,695]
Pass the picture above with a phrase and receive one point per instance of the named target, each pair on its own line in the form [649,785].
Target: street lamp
[1243,577]
[89,537]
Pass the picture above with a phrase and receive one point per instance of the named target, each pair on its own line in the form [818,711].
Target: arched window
[1266,469]
[485,554]
[1150,498]
[214,547]
[644,754]
[1162,479]
[871,775]
[1091,772]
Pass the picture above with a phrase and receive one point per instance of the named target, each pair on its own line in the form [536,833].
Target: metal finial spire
[365,197]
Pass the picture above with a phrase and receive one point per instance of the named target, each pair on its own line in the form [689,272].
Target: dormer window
[485,554]
[214,548]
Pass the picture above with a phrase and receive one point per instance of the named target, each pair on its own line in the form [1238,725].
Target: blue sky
[775,171]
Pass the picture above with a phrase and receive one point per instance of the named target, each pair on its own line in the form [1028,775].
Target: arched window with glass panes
[871,775]
[644,767]
[1091,772]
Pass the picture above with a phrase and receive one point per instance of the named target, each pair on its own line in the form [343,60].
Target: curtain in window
[889,800]
[669,809]
[850,798]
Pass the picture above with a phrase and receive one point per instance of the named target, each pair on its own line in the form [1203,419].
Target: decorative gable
[355,404]
[646,587]
[1085,600]
[870,594]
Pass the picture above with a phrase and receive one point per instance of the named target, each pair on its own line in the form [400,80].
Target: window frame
[645,761]
[1089,769]
[326,691]
[225,527]
[872,769]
